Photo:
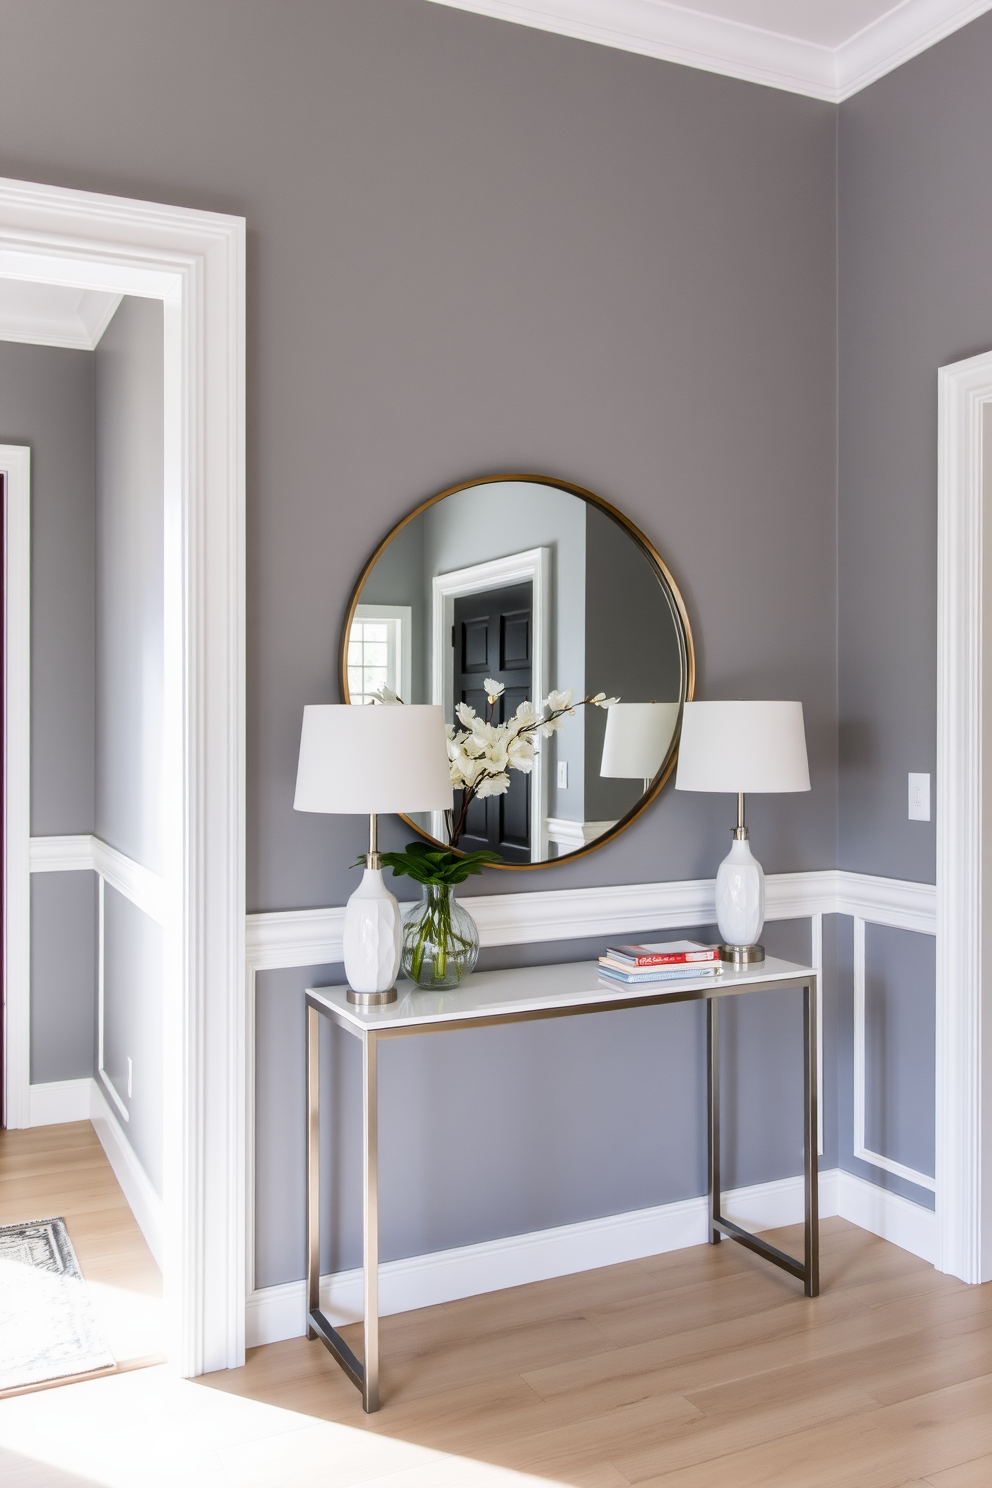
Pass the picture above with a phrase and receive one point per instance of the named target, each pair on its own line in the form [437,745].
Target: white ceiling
[823,48]
[54,314]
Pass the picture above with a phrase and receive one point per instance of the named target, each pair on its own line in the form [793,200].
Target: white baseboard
[887,1215]
[54,1102]
[59,1101]
[144,1203]
[279,1312]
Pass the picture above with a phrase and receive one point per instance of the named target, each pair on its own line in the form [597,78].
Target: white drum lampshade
[638,737]
[738,747]
[363,760]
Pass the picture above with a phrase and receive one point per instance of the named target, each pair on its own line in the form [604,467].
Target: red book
[664,953]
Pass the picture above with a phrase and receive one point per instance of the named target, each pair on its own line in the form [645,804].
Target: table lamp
[740,747]
[638,737]
[358,759]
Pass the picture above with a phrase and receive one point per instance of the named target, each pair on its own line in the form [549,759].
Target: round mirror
[519,590]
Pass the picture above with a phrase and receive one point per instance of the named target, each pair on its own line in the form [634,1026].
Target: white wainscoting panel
[279,1312]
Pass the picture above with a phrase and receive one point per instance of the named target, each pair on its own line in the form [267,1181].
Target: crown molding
[672,33]
[54,314]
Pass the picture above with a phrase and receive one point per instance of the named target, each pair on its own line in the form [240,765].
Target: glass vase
[440,940]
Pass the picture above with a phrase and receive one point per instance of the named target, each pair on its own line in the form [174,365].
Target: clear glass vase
[440,940]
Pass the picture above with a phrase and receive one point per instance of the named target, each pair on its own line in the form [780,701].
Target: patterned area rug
[47,1327]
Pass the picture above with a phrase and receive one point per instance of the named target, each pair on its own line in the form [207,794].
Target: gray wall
[133,1024]
[480,247]
[476,247]
[130,475]
[129,697]
[46,403]
[915,223]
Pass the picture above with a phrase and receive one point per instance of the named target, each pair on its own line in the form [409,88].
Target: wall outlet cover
[919,797]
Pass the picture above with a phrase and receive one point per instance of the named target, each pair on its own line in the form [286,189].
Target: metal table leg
[810,1127]
[808,1269]
[370,1198]
[713,1113]
[318,1326]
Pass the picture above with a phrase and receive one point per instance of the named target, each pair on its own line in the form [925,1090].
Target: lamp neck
[740,831]
[372,858]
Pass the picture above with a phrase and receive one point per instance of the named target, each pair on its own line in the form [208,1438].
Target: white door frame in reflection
[534,566]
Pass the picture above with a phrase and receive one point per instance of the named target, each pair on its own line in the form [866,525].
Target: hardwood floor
[62,1170]
[696,1369]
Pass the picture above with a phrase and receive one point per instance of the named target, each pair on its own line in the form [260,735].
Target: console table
[495,997]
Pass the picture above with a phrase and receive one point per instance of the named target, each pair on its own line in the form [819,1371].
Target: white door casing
[964,817]
[532,566]
[194,262]
[15,467]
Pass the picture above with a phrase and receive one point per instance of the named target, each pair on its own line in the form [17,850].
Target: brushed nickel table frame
[371,1026]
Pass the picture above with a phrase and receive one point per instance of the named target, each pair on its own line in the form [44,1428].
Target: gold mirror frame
[679,614]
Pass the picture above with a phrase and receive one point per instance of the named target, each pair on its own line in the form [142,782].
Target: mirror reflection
[503,596]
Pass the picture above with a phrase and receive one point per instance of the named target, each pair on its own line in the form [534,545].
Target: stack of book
[664,961]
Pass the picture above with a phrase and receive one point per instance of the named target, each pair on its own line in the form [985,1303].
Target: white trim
[194,262]
[312,937]
[145,889]
[62,854]
[532,566]
[693,38]
[55,318]
[888,1215]
[143,1201]
[964,1154]
[277,1312]
[573,834]
[861,1150]
[15,466]
[55,1102]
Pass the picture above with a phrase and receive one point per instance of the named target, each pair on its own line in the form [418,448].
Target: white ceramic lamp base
[740,904]
[373,937]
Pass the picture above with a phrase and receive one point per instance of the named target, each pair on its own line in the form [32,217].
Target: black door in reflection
[493,637]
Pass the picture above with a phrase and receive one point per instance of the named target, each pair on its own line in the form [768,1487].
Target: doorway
[193,263]
[493,634]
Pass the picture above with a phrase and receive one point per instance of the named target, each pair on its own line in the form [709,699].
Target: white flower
[552,725]
[602,701]
[558,701]
[520,755]
[526,716]
[385,694]
[493,688]
[466,715]
[497,751]
[493,785]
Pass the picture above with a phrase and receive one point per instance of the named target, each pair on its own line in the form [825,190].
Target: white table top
[500,996]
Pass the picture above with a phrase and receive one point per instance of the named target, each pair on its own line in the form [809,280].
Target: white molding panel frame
[533,566]
[194,262]
[15,467]
[861,1150]
[694,38]
[964,815]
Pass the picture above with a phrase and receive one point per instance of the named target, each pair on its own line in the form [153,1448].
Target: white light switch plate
[563,774]
[919,797]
